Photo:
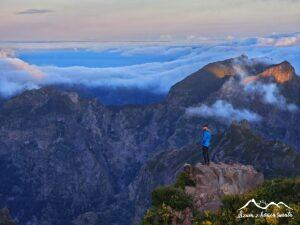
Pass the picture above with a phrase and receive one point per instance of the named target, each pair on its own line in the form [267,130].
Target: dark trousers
[205,155]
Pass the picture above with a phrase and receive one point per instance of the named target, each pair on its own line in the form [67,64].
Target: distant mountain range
[65,157]
[118,96]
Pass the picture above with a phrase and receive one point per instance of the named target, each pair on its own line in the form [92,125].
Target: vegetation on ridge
[286,190]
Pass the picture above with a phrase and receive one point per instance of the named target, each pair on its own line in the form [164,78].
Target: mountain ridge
[55,143]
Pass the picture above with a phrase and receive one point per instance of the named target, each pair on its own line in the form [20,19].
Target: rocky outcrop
[210,183]
[217,180]
[281,73]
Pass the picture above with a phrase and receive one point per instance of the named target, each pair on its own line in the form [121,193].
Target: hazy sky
[123,20]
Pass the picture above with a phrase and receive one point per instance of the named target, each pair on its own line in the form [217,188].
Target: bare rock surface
[219,179]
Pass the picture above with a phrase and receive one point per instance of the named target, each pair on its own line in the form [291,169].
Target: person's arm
[209,137]
[205,137]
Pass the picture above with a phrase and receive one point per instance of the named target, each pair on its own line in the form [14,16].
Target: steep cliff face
[50,157]
[273,158]
[281,73]
[65,152]
[160,170]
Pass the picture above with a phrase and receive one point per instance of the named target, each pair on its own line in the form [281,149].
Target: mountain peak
[243,124]
[281,72]
[243,57]
[49,99]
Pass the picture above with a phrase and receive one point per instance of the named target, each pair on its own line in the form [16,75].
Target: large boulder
[217,180]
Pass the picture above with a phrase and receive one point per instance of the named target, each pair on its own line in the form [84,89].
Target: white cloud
[224,112]
[158,76]
[288,40]
[34,11]
[17,75]
[6,53]
[9,63]
[270,94]
[153,50]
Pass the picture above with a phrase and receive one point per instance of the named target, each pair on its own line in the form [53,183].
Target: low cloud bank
[154,50]
[17,75]
[270,94]
[157,75]
[280,40]
[6,53]
[224,112]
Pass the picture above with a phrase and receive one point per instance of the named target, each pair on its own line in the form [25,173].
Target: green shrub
[171,196]
[286,190]
[183,180]
[158,216]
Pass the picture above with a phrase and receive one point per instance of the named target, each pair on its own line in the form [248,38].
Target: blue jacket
[206,138]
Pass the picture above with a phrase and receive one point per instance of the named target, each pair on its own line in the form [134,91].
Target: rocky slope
[48,148]
[273,158]
[210,184]
[61,151]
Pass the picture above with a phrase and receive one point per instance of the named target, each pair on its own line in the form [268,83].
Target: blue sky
[162,20]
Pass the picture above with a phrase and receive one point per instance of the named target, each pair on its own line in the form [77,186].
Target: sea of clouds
[155,67]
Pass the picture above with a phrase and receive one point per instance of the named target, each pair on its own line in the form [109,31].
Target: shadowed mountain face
[116,96]
[66,158]
[200,85]
[240,144]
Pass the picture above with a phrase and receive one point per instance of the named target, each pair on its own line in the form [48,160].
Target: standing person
[206,138]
